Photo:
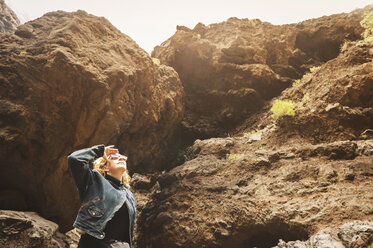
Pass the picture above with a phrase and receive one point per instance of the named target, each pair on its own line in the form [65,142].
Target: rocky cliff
[68,81]
[288,178]
[297,173]
[8,19]
[230,69]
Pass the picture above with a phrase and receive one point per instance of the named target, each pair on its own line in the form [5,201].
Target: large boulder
[28,229]
[8,19]
[230,69]
[72,80]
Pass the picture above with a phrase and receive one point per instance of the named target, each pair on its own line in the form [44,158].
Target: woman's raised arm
[79,161]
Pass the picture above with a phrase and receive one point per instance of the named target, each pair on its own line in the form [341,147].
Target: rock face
[231,68]
[8,19]
[334,103]
[288,177]
[72,80]
[28,229]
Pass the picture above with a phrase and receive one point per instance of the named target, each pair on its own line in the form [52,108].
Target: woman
[107,211]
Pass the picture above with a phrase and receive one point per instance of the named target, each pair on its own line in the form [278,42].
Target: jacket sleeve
[79,161]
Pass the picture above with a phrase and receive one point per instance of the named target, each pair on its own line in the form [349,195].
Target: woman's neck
[116,175]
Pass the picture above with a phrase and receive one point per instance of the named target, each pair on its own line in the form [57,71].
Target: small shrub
[367,23]
[344,45]
[281,108]
[306,76]
[253,22]
[156,61]
[234,156]
[198,36]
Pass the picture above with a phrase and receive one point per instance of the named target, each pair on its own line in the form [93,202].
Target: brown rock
[290,178]
[72,80]
[229,69]
[8,19]
[248,201]
[28,229]
[351,234]
[335,103]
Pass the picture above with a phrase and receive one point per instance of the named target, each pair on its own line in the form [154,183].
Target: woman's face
[116,163]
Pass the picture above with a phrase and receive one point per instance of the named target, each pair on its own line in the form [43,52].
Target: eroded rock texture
[8,19]
[290,177]
[231,68]
[28,229]
[72,80]
[356,234]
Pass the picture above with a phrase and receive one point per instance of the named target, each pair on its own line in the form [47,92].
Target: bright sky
[150,22]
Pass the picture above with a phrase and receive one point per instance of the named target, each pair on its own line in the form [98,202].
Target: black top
[118,227]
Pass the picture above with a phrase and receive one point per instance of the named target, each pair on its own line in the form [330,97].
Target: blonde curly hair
[100,165]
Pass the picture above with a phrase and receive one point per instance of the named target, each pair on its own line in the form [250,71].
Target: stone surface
[8,19]
[294,178]
[28,229]
[335,103]
[69,81]
[350,235]
[230,69]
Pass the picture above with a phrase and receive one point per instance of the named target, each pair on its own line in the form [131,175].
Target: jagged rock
[28,229]
[8,19]
[306,173]
[334,104]
[252,201]
[72,80]
[356,234]
[230,69]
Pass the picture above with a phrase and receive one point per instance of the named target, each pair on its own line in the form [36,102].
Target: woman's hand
[110,150]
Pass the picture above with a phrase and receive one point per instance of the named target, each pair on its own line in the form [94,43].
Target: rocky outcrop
[8,19]
[231,68]
[236,193]
[331,104]
[28,229]
[72,80]
[289,177]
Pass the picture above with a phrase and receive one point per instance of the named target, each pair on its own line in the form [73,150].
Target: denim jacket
[99,199]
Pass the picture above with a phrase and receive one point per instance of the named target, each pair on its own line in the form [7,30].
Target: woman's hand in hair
[110,150]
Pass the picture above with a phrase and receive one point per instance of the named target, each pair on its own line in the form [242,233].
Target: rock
[72,80]
[139,181]
[28,229]
[351,235]
[230,69]
[261,196]
[8,19]
[333,105]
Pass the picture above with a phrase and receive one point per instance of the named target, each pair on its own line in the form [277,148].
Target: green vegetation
[306,76]
[234,156]
[198,36]
[367,23]
[253,22]
[247,134]
[344,45]
[156,61]
[281,108]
